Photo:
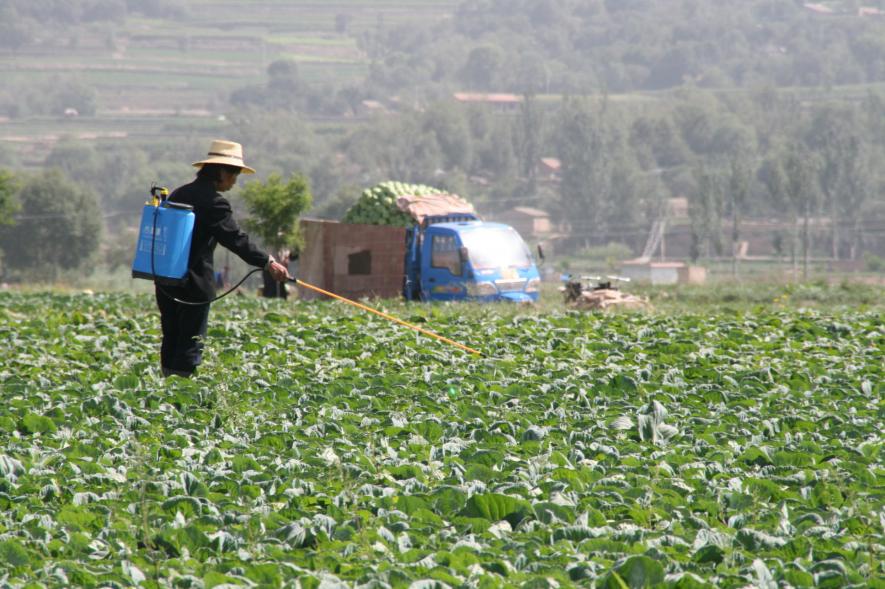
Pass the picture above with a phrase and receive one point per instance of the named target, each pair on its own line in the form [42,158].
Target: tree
[589,149]
[706,212]
[59,227]
[800,168]
[531,75]
[283,76]
[449,125]
[400,149]
[495,153]
[281,139]
[671,69]
[8,203]
[76,160]
[860,184]
[696,117]
[483,68]
[658,141]
[739,181]
[774,177]
[105,10]
[528,138]
[15,32]
[274,207]
[835,134]
[65,92]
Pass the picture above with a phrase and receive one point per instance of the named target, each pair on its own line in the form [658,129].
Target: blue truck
[449,257]
[458,257]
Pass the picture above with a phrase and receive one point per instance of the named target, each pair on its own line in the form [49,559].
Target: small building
[549,168]
[818,8]
[354,261]
[677,207]
[500,102]
[663,272]
[531,223]
[367,107]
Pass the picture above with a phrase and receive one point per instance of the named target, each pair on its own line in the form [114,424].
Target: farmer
[184,325]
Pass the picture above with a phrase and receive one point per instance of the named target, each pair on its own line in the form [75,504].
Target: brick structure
[354,261]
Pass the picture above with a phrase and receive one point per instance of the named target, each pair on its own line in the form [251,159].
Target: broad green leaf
[548,512]
[690,581]
[495,507]
[13,553]
[826,495]
[579,533]
[709,554]
[479,472]
[37,424]
[449,500]
[640,571]
[77,517]
[10,468]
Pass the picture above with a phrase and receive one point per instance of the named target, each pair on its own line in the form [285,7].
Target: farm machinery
[597,292]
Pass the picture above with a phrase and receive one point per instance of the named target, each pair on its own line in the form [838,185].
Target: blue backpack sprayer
[164,244]
[164,240]
[163,251]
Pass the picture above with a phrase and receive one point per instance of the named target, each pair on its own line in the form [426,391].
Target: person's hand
[277,271]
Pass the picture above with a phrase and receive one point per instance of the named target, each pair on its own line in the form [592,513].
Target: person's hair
[212,172]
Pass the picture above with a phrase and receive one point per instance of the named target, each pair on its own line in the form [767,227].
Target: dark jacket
[213,224]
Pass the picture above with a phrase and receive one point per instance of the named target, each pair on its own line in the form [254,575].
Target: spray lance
[163,250]
[386,316]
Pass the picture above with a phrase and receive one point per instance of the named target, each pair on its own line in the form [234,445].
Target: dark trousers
[271,288]
[184,329]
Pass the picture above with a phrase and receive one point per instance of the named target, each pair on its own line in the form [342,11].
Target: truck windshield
[496,248]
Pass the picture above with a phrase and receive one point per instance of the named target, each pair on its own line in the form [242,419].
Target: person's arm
[228,233]
[277,271]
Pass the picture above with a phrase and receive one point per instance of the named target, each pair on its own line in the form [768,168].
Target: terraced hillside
[145,71]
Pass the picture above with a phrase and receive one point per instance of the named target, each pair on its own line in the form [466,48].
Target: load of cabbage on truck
[421,243]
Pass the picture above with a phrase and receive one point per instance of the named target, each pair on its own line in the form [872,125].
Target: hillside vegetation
[639,101]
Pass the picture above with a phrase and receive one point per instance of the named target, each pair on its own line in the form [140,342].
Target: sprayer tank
[164,243]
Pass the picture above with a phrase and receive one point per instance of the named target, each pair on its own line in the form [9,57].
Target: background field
[146,69]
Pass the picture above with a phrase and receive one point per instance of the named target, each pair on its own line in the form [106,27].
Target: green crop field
[716,446]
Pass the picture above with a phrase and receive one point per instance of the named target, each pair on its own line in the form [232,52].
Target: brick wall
[336,255]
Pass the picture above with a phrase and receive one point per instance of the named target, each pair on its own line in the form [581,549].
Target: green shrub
[874,263]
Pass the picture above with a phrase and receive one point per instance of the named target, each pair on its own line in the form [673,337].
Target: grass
[774,295]
[678,299]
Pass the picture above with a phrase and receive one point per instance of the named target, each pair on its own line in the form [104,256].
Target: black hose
[219,297]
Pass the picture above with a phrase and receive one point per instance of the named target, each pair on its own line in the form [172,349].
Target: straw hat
[227,153]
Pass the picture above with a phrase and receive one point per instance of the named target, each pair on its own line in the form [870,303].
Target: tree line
[580,46]
[23,22]
[733,157]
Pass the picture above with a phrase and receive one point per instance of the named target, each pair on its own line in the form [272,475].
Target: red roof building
[501,102]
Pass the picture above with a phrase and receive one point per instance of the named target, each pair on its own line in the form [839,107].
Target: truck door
[441,267]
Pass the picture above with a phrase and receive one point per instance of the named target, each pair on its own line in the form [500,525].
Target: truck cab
[458,257]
